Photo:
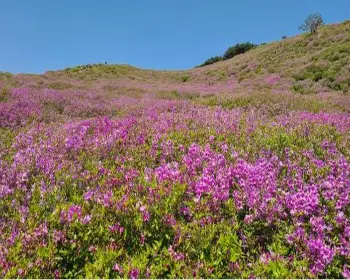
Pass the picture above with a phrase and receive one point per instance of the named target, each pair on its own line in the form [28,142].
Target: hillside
[301,65]
[322,60]
[240,169]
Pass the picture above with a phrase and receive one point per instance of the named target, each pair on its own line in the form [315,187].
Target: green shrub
[60,86]
[211,60]
[185,78]
[175,95]
[230,52]
[4,94]
[238,49]
[314,72]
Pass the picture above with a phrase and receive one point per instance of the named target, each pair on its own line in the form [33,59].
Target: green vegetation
[229,53]
[312,23]
[270,104]
[4,94]
[211,60]
[238,49]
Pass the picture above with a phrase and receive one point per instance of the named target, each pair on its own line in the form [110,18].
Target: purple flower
[346,271]
[57,274]
[146,216]
[116,228]
[148,272]
[88,195]
[134,273]
[117,268]
[175,255]
[86,219]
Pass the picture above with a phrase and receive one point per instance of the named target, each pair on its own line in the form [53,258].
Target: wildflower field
[188,174]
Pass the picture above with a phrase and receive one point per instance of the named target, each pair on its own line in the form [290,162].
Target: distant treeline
[230,52]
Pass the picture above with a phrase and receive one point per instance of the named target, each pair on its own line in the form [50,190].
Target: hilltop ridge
[304,64]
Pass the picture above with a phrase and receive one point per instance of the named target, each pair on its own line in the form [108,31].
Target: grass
[322,61]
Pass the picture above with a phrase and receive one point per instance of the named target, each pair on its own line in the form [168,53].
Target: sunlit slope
[302,64]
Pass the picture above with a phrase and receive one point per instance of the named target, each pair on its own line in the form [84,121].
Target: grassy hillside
[305,64]
[275,73]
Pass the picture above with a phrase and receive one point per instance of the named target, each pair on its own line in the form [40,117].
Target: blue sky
[41,35]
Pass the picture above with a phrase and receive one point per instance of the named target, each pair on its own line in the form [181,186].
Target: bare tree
[312,23]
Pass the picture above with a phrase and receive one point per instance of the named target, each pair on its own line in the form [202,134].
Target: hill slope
[305,64]
[302,65]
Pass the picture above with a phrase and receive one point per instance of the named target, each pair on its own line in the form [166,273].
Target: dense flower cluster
[170,188]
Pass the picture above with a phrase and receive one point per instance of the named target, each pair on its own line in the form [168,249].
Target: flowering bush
[172,189]
[239,170]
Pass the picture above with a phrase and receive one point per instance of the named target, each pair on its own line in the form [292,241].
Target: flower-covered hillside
[159,176]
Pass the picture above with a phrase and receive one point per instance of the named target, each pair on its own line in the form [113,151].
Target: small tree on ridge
[312,23]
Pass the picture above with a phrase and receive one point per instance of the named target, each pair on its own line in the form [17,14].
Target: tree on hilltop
[312,23]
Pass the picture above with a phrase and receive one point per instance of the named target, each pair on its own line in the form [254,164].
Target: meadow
[240,169]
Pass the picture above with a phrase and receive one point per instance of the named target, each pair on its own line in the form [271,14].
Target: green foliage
[211,60]
[314,72]
[230,52]
[6,137]
[276,269]
[271,104]
[8,79]
[4,94]
[238,49]
[312,23]
[329,70]
[53,107]
[185,78]
[305,87]
[176,95]
[60,86]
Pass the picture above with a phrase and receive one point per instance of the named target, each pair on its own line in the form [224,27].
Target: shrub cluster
[211,60]
[229,53]
[171,189]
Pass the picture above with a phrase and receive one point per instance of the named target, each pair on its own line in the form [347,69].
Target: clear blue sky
[40,35]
